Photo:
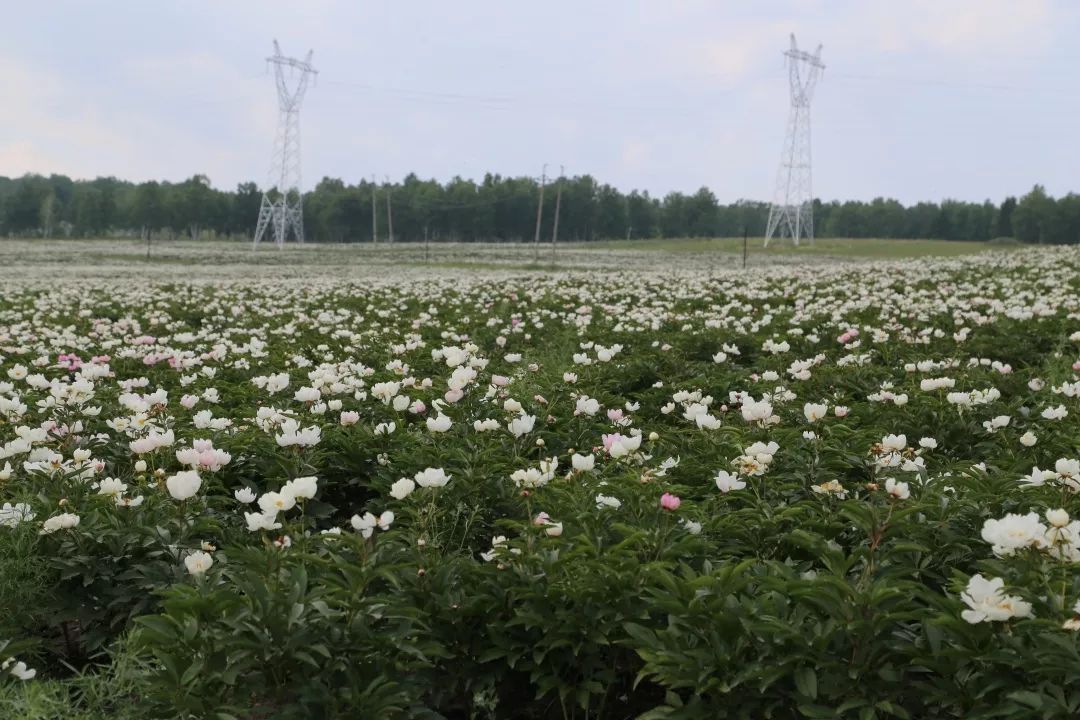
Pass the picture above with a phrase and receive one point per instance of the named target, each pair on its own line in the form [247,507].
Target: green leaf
[806,682]
[817,711]
[1026,697]
[192,672]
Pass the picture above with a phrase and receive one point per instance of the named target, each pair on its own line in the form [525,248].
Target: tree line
[496,209]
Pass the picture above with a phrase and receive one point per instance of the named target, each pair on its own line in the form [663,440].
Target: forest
[496,209]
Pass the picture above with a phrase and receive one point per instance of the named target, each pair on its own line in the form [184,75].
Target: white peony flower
[431,477]
[184,484]
[987,602]
[402,488]
[726,482]
[898,490]
[261,521]
[244,495]
[1014,532]
[815,411]
[439,424]
[603,501]
[64,521]
[272,502]
[583,463]
[521,425]
[198,562]
[112,487]
[301,488]
[12,515]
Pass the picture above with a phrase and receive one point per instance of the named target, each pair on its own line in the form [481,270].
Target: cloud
[957,27]
[736,58]
[635,153]
[55,129]
[661,95]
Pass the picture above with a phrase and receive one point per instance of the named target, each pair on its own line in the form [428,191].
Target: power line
[928,82]
[513,102]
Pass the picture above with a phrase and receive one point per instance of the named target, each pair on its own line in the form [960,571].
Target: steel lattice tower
[281,206]
[792,211]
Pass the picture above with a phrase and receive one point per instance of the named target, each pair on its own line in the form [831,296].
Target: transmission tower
[792,211]
[281,207]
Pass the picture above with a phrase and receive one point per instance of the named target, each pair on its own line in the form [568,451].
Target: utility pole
[389,212]
[374,214]
[539,211]
[558,202]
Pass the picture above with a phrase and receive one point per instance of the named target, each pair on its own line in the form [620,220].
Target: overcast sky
[921,99]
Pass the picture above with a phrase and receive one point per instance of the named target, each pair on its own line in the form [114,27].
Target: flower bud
[1057,518]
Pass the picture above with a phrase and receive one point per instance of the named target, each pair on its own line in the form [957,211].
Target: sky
[920,99]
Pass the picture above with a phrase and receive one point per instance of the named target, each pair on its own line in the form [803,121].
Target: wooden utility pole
[389,212]
[374,214]
[744,244]
[539,211]
[558,202]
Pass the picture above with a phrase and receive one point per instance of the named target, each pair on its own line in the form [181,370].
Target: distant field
[835,247]
[214,258]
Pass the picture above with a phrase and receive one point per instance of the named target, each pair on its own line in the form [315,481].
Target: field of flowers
[828,491]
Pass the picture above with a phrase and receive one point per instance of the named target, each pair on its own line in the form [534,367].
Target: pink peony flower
[71,361]
[849,335]
[610,440]
[670,502]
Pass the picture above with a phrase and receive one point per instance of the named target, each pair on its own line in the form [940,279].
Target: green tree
[148,208]
[1031,217]
[642,213]
[1003,224]
[194,205]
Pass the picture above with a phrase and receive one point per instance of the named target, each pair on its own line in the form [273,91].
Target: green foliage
[498,209]
[113,692]
[818,588]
